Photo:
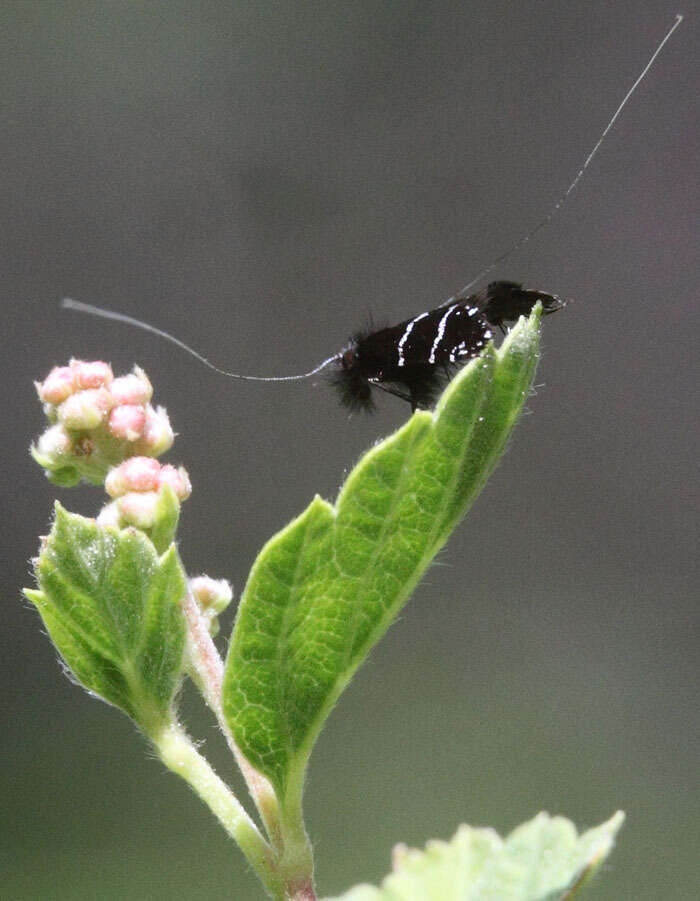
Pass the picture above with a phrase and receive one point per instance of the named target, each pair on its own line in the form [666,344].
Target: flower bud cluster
[97,421]
[213,596]
[137,488]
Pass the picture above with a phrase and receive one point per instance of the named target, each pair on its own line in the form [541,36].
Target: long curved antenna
[69,304]
[558,205]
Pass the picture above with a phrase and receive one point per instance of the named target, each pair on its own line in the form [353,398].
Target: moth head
[348,357]
[353,387]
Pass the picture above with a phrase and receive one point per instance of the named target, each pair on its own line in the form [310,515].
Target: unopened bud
[86,409]
[134,388]
[158,435]
[127,422]
[213,596]
[58,385]
[103,421]
[138,509]
[55,444]
[134,474]
[93,374]
[178,479]
[142,509]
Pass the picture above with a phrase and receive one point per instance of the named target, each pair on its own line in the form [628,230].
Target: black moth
[413,359]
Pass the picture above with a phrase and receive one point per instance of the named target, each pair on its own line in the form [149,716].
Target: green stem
[296,862]
[291,857]
[178,753]
[207,672]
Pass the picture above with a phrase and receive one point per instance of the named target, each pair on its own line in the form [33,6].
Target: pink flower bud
[134,388]
[178,480]
[101,421]
[58,385]
[55,443]
[127,421]
[138,508]
[86,409]
[158,434]
[94,374]
[135,474]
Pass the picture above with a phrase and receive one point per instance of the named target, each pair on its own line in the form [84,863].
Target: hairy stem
[304,893]
[207,670]
[178,753]
[293,857]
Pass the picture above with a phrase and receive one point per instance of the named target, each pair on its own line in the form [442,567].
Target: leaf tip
[320,505]
[608,833]
[168,554]
[34,596]
[523,338]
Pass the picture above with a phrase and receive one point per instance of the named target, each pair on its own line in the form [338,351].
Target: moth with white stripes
[413,359]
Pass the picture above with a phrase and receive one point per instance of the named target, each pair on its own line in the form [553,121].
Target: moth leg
[393,391]
[419,403]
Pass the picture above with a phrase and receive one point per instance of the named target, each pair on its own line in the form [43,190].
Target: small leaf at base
[543,860]
[112,608]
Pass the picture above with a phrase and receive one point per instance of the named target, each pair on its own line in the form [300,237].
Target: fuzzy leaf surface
[543,860]
[325,589]
[111,605]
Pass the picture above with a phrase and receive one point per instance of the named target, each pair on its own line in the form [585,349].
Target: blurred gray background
[259,179]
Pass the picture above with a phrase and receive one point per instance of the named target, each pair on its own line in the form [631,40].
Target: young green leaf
[112,608]
[327,587]
[543,860]
[165,519]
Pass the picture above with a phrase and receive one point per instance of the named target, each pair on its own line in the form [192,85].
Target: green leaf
[543,860]
[112,608]
[327,587]
[167,516]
